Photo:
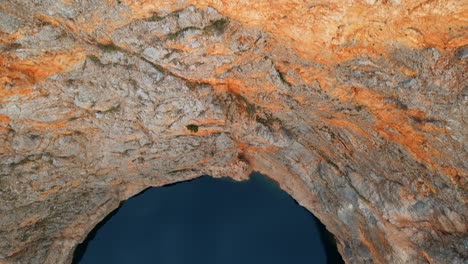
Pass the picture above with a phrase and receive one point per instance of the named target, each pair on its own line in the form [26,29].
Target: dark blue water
[210,221]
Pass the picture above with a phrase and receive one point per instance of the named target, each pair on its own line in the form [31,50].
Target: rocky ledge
[356,108]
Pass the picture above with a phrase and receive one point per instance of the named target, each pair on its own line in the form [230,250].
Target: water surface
[210,221]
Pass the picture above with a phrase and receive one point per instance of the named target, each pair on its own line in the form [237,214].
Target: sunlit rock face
[357,108]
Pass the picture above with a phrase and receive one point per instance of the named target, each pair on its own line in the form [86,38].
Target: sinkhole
[210,221]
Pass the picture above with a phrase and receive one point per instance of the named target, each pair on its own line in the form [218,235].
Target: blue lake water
[210,221]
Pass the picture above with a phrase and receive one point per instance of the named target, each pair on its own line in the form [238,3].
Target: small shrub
[108,47]
[192,128]
[94,59]
[217,27]
[154,18]
[282,78]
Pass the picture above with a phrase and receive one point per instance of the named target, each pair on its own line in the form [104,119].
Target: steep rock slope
[357,109]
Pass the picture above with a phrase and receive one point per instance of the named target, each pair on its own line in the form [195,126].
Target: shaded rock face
[357,109]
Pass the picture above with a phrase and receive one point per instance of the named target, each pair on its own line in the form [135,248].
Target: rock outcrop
[357,108]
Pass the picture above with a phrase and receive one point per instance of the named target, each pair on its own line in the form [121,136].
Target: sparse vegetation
[111,110]
[175,35]
[268,121]
[111,47]
[217,27]
[73,118]
[262,121]
[282,78]
[94,59]
[420,120]
[249,108]
[156,66]
[193,128]
[154,18]
[399,104]
[11,47]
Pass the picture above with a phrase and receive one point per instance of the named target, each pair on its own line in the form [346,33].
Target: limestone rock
[357,108]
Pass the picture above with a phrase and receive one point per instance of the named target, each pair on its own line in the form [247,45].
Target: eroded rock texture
[357,108]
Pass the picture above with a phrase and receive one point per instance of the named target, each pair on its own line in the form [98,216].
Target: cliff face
[357,108]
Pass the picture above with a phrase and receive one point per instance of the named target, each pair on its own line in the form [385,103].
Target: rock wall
[357,108]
